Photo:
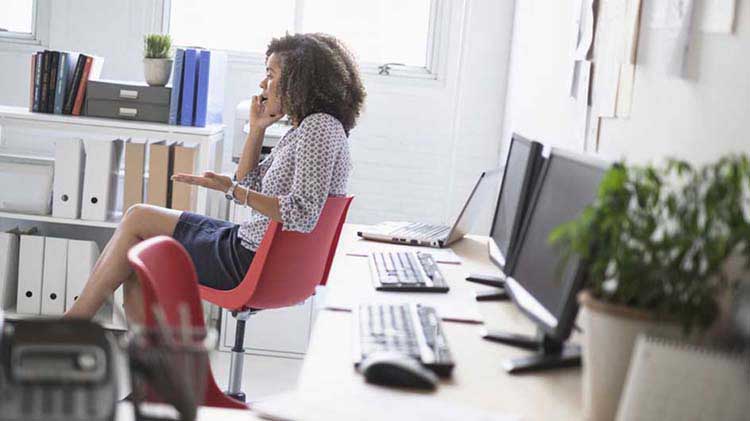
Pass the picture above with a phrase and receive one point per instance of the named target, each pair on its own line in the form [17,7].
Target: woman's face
[270,97]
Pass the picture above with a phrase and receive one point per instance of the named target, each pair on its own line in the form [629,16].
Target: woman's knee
[137,211]
[137,214]
[148,220]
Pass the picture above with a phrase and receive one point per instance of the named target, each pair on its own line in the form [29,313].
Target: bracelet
[247,196]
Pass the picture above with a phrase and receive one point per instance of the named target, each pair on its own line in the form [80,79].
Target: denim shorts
[220,259]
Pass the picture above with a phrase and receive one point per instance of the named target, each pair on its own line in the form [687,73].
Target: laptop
[438,236]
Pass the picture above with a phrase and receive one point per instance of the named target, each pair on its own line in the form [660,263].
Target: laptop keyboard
[421,231]
[410,329]
[406,271]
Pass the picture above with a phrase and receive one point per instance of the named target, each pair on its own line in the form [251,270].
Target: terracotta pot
[157,71]
[610,333]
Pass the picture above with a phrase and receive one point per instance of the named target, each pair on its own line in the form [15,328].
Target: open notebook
[674,381]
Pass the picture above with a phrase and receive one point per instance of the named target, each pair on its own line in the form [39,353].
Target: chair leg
[238,358]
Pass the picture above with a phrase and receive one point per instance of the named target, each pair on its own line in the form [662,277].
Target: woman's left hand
[209,180]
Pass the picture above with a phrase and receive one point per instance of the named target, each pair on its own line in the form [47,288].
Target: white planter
[157,70]
[610,333]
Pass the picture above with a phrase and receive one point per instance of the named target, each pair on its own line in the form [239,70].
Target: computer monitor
[539,286]
[521,168]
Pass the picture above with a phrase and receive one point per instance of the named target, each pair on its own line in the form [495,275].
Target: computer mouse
[394,369]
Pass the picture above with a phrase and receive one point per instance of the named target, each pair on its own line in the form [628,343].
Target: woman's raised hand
[260,118]
[209,180]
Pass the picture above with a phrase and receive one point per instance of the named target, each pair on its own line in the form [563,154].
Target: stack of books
[58,81]
[198,79]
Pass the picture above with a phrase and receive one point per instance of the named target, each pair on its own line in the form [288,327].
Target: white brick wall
[419,144]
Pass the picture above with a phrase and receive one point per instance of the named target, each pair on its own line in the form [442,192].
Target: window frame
[40,10]
[436,41]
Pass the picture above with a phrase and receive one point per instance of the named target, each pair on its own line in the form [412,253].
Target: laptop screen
[475,205]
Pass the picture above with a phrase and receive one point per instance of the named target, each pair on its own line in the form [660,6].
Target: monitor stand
[551,353]
[489,280]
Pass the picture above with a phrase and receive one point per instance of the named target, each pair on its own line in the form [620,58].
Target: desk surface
[478,378]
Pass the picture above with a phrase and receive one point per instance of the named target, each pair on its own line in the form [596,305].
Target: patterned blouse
[310,163]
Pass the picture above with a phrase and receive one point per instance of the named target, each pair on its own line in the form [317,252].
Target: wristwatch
[229,194]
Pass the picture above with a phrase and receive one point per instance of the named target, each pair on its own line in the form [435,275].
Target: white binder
[82,256]
[26,184]
[8,270]
[54,274]
[100,179]
[68,181]
[30,268]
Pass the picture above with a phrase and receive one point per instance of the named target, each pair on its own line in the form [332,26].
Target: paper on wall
[717,16]
[675,19]
[678,62]
[582,100]
[608,56]
[581,40]
[625,90]
[627,68]
[711,16]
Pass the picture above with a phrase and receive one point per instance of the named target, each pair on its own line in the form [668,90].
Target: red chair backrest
[168,278]
[288,265]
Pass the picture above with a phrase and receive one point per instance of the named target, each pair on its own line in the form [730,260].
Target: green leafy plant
[157,46]
[659,239]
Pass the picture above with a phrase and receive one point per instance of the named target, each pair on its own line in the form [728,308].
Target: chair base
[238,355]
[240,396]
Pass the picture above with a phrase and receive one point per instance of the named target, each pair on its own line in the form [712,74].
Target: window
[17,19]
[378,31]
[229,24]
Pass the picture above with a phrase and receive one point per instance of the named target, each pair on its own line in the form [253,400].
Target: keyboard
[410,329]
[406,271]
[420,231]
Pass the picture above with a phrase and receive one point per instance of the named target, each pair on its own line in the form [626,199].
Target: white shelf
[55,220]
[11,314]
[21,113]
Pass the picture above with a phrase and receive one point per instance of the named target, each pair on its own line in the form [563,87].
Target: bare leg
[134,301]
[111,270]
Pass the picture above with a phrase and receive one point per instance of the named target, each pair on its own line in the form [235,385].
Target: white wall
[697,118]
[419,144]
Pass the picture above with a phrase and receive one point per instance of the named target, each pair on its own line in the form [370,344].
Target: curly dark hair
[319,75]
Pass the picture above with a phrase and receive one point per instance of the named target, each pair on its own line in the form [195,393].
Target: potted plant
[157,62]
[657,245]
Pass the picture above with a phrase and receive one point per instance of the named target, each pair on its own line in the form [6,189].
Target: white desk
[478,379]
[125,413]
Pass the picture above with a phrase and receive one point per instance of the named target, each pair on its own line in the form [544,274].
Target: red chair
[167,277]
[287,267]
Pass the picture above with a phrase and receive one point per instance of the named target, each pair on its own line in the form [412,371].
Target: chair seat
[286,269]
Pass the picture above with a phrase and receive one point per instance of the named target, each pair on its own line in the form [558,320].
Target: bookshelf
[54,220]
[18,124]
[26,133]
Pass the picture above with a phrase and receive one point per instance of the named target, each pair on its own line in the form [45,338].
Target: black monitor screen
[569,183]
[506,222]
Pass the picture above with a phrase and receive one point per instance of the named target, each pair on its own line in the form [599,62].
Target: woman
[314,80]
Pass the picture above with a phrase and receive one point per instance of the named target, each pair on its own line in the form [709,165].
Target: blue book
[209,96]
[188,87]
[174,101]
